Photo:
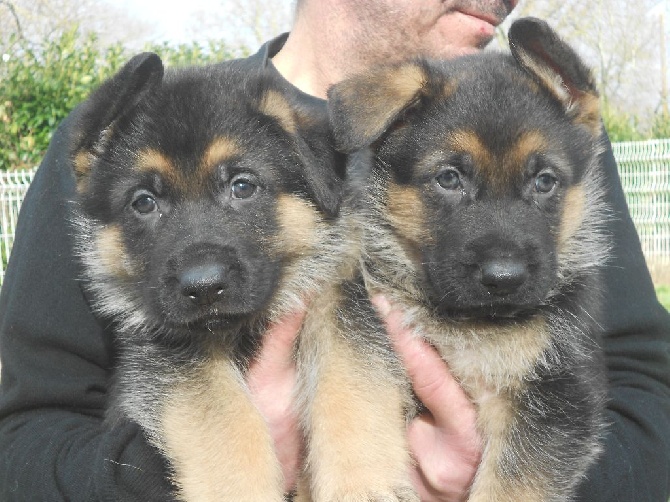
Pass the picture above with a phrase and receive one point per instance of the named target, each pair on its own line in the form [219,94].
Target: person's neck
[311,59]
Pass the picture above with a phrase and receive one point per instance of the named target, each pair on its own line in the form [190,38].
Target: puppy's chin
[498,313]
[207,322]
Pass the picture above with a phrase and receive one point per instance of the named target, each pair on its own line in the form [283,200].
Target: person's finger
[431,380]
[276,354]
[271,380]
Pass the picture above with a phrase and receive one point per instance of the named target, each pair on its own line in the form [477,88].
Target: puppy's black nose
[203,284]
[503,276]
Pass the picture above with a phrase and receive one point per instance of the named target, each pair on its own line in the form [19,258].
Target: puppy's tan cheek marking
[111,252]
[573,215]
[298,221]
[406,213]
[277,106]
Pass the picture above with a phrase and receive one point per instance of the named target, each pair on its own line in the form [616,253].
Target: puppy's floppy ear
[556,67]
[323,166]
[363,107]
[107,104]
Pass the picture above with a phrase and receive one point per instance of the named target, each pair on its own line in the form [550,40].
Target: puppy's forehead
[494,163]
[499,165]
[187,173]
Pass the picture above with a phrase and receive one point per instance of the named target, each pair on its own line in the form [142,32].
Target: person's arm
[56,361]
[635,464]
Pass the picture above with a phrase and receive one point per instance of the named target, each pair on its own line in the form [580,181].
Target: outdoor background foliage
[40,85]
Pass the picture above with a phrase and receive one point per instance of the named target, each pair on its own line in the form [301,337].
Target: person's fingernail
[382,304]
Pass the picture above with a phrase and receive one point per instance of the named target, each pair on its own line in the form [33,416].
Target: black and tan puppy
[485,218]
[208,205]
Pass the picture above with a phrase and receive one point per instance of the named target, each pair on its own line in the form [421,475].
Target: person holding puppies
[56,356]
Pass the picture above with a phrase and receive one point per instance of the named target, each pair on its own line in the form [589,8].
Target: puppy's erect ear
[556,67]
[363,107]
[111,101]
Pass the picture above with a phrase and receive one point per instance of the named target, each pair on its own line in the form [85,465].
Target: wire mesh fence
[13,187]
[644,167]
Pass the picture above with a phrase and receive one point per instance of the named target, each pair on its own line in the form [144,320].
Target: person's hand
[444,440]
[271,380]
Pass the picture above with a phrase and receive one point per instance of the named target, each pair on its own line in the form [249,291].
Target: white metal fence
[645,174]
[13,186]
[644,167]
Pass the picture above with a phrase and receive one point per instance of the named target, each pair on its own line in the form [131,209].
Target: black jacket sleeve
[56,359]
[635,465]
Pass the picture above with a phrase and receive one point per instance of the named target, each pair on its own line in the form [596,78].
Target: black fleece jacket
[57,359]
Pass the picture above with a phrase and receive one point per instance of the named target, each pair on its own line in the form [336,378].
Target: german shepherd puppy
[485,223]
[208,205]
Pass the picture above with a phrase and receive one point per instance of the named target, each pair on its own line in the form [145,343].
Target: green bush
[40,85]
[663,293]
[660,127]
[621,126]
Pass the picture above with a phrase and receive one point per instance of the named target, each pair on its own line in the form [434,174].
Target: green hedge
[40,85]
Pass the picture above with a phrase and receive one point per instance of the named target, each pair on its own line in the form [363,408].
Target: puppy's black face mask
[490,185]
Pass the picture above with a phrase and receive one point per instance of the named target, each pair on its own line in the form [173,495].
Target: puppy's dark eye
[545,182]
[449,180]
[243,189]
[145,204]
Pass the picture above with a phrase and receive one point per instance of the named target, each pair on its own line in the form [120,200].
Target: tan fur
[111,252]
[298,220]
[588,114]
[277,106]
[83,161]
[487,357]
[151,160]
[210,428]
[220,150]
[584,107]
[573,215]
[357,449]
[468,142]
[495,417]
[516,158]
[449,87]
[405,211]
[395,90]
[548,77]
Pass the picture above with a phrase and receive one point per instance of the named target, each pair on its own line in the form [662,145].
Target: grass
[663,293]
